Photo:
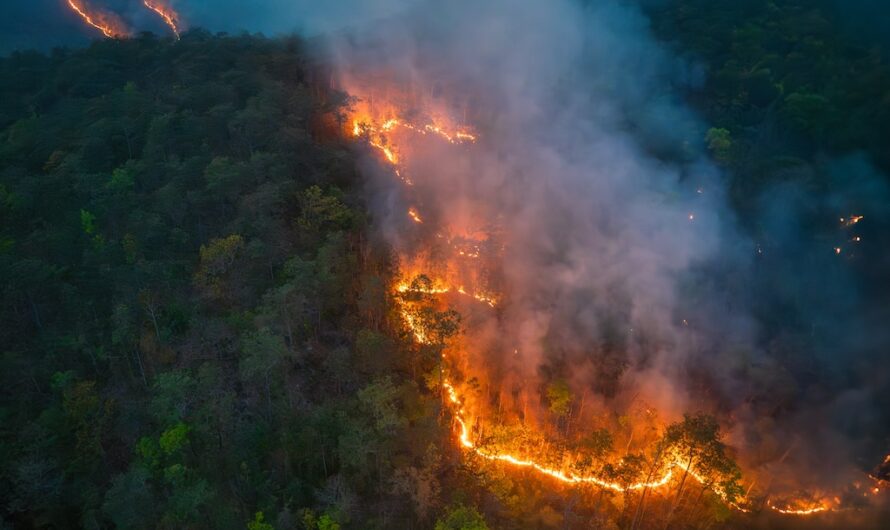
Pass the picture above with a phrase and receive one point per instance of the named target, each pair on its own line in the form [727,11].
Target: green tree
[461,518]
[559,397]
[130,502]
[319,210]
[262,362]
[720,143]
[695,444]
[217,260]
[259,523]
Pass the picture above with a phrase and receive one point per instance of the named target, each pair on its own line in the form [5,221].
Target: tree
[461,518]
[720,143]
[694,444]
[319,210]
[264,355]
[808,113]
[217,259]
[130,502]
[379,400]
[559,397]
[259,523]
[173,396]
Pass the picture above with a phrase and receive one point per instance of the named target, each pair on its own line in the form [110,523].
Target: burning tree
[694,445]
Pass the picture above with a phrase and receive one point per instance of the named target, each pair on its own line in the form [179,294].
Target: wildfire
[166,12]
[454,137]
[852,220]
[672,465]
[412,213]
[440,288]
[803,508]
[466,442]
[108,23]
[378,139]
[381,135]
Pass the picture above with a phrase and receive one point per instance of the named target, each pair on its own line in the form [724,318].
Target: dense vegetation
[195,330]
[191,317]
[784,82]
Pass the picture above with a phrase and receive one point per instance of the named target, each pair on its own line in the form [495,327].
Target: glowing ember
[166,12]
[466,442]
[440,288]
[800,508]
[381,135]
[108,23]
[412,213]
[672,464]
[378,140]
[852,220]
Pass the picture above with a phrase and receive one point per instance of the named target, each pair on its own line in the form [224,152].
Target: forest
[198,329]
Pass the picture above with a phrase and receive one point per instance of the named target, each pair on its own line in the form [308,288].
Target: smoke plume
[623,269]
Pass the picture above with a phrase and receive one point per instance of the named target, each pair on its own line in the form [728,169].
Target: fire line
[377,137]
[108,24]
[166,12]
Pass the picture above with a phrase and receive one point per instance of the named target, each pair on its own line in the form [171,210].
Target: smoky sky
[618,235]
[43,24]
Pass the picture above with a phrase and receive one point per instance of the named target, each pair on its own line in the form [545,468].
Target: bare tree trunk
[667,520]
[638,515]
[35,312]
[141,367]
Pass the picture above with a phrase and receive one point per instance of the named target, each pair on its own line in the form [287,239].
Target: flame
[852,220]
[800,508]
[166,12]
[467,443]
[672,465]
[108,23]
[376,134]
[412,213]
[441,288]
[383,135]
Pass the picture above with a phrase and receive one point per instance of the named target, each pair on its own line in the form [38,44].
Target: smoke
[275,17]
[623,269]
[590,171]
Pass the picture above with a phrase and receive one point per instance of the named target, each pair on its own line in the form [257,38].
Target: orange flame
[108,23]
[377,139]
[412,213]
[166,12]
[852,220]
[803,508]
[376,135]
[673,462]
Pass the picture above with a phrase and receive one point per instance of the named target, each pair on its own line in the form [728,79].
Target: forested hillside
[197,328]
[193,319]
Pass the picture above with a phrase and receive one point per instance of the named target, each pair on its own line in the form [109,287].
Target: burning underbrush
[456,303]
[566,284]
[112,25]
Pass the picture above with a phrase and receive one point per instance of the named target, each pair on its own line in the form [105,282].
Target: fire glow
[668,469]
[166,12]
[108,23]
[412,213]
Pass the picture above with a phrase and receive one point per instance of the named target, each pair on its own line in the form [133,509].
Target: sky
[43,24]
